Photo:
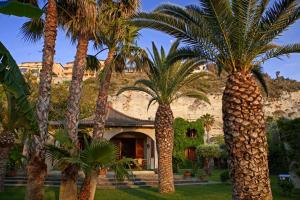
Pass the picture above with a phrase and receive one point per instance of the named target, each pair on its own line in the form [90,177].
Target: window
[191,133]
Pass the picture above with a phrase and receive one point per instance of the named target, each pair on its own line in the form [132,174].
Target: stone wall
[135,104]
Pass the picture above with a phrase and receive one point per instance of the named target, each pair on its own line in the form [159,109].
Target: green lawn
[203,192]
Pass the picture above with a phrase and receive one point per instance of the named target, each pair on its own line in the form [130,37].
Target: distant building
[35,68]
[68,68]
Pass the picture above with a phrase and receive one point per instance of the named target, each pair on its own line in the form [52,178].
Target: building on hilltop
[35,68]
[68,68]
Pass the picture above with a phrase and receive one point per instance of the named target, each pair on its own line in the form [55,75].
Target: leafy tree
[207,152]
[238,36]
[167,82]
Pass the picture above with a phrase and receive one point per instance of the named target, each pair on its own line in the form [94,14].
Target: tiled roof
[114,118]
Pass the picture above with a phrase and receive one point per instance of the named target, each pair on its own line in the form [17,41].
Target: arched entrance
[138,146]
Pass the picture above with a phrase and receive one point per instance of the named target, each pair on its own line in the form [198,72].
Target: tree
[208,121]
[94,155]
[115,33]
[238,36]
[207,152]
[34,30]
[167,82]
[79,21]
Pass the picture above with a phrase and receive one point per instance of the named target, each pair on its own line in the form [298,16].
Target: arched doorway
[137,146]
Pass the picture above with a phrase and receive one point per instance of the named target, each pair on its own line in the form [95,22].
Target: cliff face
[135,104]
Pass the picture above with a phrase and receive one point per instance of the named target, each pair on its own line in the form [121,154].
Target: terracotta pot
[187,174]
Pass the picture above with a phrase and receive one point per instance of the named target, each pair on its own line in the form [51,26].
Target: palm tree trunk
[100,116]
[164,134]
[72,114]
[101,105]
[4,151]
[245,138]
[37,169]
[36,173]
[68,185]
[75,90]
[88,189]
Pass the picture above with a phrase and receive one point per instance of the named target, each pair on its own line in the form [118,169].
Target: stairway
[108,181]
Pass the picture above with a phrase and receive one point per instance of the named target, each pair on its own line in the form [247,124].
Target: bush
[286,186]
[224,176]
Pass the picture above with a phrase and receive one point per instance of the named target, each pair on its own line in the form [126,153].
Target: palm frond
[258,73]
[138,89]
[92,63]
[277,52]
[33,30]
[98,152]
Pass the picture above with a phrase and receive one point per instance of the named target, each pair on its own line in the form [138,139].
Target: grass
[205,192]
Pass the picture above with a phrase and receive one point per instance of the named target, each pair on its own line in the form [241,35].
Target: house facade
[134,138]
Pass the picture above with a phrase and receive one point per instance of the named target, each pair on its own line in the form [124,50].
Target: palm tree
[208,121]
[94,155]
[167,82]
[238,36]
[33,30]
[79,21]
[115,33]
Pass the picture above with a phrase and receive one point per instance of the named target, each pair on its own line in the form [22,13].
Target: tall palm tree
[166,83]
[34,30]
[115,33]
[238,36]
[79,21]
[208,121]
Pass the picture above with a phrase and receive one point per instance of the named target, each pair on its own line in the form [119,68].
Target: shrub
[224,176]
[286,186]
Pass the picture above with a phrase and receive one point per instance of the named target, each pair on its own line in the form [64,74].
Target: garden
[254,156]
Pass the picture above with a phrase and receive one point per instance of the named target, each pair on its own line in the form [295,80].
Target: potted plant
[187,174]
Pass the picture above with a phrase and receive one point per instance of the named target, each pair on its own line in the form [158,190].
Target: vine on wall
[182,141]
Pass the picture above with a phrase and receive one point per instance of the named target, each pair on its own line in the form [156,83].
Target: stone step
[108,182]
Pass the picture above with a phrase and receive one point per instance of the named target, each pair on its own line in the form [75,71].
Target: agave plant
[168,81]
[239,36]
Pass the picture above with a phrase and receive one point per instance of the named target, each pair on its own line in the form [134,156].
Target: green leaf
[14,83]
[13,7]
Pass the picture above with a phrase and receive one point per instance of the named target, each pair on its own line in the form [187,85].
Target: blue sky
[65,51]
